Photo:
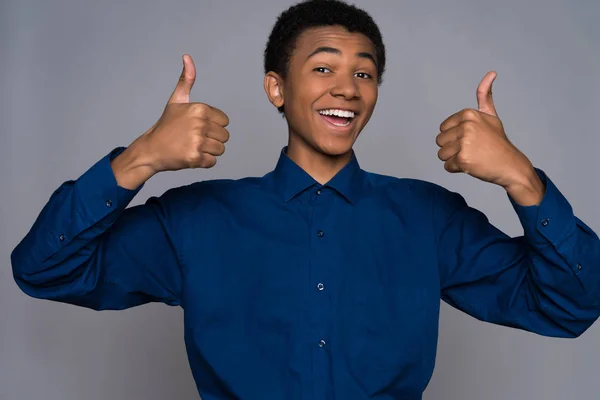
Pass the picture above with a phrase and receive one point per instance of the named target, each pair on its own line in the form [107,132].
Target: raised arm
[87,248]
[545,281]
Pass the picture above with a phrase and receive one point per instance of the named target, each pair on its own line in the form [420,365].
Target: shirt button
[322,343]
[545,221]
[108,203]
[320,234]
[579,267]
[61,237]
[319,192]
[320,286]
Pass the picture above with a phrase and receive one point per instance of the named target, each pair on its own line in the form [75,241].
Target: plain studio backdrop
[78,78]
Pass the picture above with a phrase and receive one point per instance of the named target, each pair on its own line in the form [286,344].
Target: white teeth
[337,113]
[345,124]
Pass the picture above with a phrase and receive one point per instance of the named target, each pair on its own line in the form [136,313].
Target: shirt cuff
[98,191]
[549,222]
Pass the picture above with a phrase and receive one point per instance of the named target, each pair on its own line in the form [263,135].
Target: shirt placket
[320,299]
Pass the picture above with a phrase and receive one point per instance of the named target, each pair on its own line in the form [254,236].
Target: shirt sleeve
[85,248]
[545,281]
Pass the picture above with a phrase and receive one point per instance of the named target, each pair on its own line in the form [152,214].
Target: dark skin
[471,141]
[331,68]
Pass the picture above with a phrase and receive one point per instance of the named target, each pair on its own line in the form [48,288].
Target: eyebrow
[332,50]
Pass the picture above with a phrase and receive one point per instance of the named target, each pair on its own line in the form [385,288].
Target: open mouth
[337,117]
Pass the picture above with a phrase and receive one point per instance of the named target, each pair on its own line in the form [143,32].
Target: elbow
[577,326]
[578,330]
[22,264]
[23,275]
[66,282]
[35,278]
[587,314]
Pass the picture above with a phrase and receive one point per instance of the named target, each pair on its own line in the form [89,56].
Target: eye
[363,75]
[322,70]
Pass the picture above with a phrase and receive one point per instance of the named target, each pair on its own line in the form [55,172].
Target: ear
[274,88]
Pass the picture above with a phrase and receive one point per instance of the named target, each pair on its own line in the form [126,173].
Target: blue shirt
[296,290]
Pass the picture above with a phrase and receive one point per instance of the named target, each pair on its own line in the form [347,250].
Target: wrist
[527,189]
[133,166]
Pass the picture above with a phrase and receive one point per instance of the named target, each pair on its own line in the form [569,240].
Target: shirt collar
[290,179]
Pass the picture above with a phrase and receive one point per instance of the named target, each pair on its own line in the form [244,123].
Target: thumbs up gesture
[474,142]
[187,135]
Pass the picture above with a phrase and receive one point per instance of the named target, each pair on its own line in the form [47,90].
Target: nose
[345,87]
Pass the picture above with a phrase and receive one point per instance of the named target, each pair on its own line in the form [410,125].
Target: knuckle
[469,113]
[200,126]
[466,140]
[468,127]
[192,159]
[462,158]
[200,109]
[197,141]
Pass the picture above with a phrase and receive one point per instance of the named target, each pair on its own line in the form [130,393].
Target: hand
[187,135]
[474,142]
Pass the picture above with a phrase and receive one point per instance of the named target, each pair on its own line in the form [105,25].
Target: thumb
[485,101]
[181,94]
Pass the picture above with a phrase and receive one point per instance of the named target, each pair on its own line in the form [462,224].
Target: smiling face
[329,92]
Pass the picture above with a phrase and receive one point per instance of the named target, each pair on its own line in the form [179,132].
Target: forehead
[332,36]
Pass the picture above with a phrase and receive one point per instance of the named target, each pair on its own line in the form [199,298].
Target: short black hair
[313,14]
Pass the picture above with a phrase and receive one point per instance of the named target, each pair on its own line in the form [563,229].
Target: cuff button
[545,221]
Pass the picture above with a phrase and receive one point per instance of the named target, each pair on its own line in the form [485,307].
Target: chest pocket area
[391,332]
[384,315]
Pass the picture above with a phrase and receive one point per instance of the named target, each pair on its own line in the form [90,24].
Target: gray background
[78,78]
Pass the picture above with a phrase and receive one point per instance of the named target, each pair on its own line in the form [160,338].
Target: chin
[335,148]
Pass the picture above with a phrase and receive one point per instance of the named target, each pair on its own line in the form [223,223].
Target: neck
[321,167]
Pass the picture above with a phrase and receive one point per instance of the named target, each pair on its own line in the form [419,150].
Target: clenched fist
[474,142]
[187,135]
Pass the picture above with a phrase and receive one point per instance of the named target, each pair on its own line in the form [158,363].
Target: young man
[318,280]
